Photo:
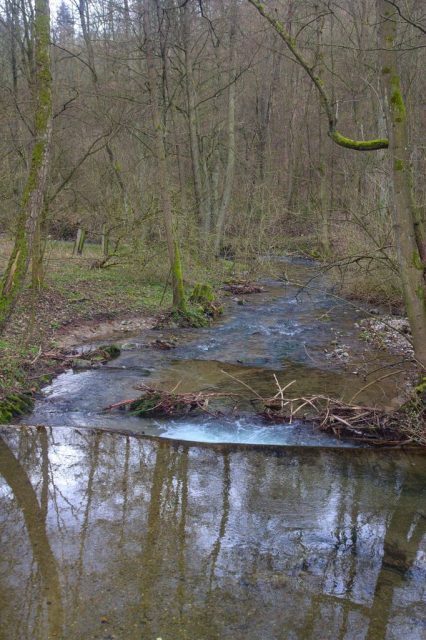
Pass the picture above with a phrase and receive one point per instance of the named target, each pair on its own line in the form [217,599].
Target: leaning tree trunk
[33,196]
[162,177]
[409,229]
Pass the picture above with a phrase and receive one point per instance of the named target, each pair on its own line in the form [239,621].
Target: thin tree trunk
[162,173]
[230,164]
[204,218]
[409,232]
[83,9]
[79,242]
[33,196]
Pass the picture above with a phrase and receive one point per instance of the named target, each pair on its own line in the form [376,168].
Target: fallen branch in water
[404,426]
[242,287]
[156,402]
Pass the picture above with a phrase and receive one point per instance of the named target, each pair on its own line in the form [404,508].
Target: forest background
[189,138]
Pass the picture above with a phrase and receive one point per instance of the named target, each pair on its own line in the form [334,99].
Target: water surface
[109,536]
[283,331]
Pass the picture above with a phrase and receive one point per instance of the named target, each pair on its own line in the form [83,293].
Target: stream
[114,527]
[283,330]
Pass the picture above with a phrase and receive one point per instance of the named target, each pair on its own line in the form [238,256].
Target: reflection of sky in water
[280,536]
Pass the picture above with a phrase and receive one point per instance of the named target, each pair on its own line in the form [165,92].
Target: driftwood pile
[155,402]
[242,287]
[404,426]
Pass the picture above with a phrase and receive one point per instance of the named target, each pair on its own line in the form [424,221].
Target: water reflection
[109,536]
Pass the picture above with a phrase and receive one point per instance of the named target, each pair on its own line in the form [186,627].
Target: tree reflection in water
[109,536]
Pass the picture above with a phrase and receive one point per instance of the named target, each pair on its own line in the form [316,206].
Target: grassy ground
[74,293]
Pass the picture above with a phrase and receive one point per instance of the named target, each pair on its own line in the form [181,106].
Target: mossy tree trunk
[162,172]
[32,202]
[409,229]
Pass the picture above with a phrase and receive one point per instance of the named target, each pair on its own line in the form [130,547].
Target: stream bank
[278,332]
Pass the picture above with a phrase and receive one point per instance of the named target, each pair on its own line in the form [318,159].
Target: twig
[388,375]
[243,383]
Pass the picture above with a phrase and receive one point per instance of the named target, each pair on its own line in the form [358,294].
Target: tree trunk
[105,241]
[204,218]
[162,173]
[230,165]
[33,196]
[79,242]
[409,232]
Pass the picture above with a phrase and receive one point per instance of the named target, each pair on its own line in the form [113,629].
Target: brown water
[110,536]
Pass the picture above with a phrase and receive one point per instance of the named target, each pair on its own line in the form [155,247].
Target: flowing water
[114,527]
[282,331]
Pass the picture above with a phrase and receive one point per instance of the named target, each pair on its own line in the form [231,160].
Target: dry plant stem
[370,384]
[242,383]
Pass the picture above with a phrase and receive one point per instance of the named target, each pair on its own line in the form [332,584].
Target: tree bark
[230,164]
[162,173]
[200,201]
[33,196]
[409,232]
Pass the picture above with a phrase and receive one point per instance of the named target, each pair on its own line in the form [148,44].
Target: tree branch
[401,15]
[338,138]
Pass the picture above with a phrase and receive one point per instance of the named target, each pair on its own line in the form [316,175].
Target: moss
[191,317]
[420,293]
[202,293]
[145,405]
[13,405]
[421,387]
[386,70]
[112,350]
[204,300]
[177,275]
[102,354]
[359,145]
[397,101]
[18,263]
[417,261]
[398,165]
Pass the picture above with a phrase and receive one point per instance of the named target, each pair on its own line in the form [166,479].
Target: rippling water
[285,331]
